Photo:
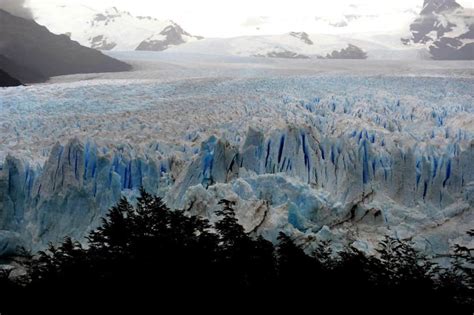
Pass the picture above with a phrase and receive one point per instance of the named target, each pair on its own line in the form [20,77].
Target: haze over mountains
[443,29]
[112,29]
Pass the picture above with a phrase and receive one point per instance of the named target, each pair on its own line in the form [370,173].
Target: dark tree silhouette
[246,264]
[147,257]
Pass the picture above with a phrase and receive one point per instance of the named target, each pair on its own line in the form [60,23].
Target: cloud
[16,7]
[255,21]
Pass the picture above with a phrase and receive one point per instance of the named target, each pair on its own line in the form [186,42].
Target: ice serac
[346,158]
[217,162]
[72,191]
[321,181]
[351,168]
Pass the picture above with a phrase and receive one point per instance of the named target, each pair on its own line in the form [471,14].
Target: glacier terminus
[347,155]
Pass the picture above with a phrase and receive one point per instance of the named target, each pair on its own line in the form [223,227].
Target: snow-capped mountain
[301,45]
[445,28]
[111,29]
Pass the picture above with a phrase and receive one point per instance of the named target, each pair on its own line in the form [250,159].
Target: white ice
[348,150]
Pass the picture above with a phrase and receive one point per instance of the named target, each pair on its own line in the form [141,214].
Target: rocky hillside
[6,80]
[32,53]
[446,29]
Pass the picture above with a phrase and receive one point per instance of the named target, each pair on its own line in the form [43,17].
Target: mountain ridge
[113,29]
[446,29]
[99,29]
[36,54]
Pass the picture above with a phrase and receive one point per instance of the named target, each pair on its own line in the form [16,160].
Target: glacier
[348,157]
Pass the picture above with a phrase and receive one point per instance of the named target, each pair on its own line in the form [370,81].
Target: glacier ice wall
[73,189]
[318,156]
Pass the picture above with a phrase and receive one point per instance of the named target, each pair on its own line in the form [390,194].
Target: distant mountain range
[442,30]
[301,45]
[30,53]
[112,29]
[445,28]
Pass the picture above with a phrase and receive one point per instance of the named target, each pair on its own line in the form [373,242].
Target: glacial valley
[339,150]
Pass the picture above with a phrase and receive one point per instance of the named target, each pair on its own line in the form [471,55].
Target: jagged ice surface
[322,156]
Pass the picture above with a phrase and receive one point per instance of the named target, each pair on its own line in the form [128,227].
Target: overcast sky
[230,18]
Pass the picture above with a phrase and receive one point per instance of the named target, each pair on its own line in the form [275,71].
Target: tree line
[146,259]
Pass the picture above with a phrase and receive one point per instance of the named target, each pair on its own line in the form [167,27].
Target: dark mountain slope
[43,54]
[20,72]
[6,80]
